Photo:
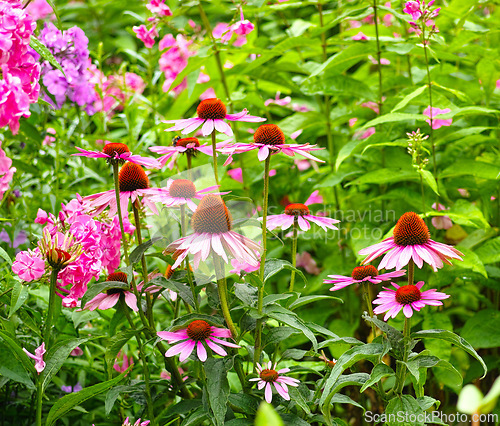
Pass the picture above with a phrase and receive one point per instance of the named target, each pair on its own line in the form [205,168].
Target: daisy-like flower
[188,146]
[182,191]
[134,185]
[110,298]
[411,240]
[269,375]
[407,297]
[38,357]
[197,333]
[270,139]
[212,224]
[119,153]
[300,213]
[211,115]
[361,274]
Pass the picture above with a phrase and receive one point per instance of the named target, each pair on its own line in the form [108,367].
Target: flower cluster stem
[368,298]
[214,155]
[260,295]
[51,308]
[294,253]
[119,211]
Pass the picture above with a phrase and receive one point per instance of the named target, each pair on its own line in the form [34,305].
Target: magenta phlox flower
[38,357]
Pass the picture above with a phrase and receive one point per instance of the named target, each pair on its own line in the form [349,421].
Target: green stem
[223,295]
[189,166]
[142,355]
[431,119]
[186,260]
[294,252]
[214,155]
[332,148]
[39,402]
[119,210]
[52,307]
[260,295]
[368,298]
[149,306]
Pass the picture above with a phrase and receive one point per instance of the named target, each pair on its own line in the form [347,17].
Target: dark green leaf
[218,386]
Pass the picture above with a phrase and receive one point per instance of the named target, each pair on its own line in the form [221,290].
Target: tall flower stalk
[119,211]
[294,252]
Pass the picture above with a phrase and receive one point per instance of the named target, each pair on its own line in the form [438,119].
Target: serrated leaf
[216,370]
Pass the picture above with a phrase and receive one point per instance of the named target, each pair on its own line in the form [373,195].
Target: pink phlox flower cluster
[6,171]
[19,70]
[241,29]
[122,362]
[39,9]
[422,13]
[159,9]
[113,91]
[174,60]
[70,47]
[137,423]
[145,35]
[38,357]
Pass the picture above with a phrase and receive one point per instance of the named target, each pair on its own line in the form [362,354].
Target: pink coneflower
[270,139]
[300,213]
[38,357]
[269,375]
[411,240]
[182,191]
[189,146]
[120,153]
[211,114]
[361,274]
[195,334]
[212,235]
[109,299]
[407,297]
[134,185]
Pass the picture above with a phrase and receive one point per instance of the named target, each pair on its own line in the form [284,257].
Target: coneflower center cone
[269,375]
[113,148]
[116,276]
[411,230]
[132,177]
[212,109]
[182,188]
[185,142]
[296,209]
[407,294]
[361,272]
[199,330]
[169,272]
[269,134]
[211,216]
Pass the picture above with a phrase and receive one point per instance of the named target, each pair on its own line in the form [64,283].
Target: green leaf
[12,368]
[471,261]
[246,293]
[371,352]
[301,301]
[408,98]
[114,346]
[94,289]
[465,213]
[298,398]
[18,352]
[277,335]
[45,53]
[56,356]
[402,409]
[136,255]
[292,320]
[487,74]
[347,150]
[216,370]
[483,329]
[448,336]
[388,175]
[469,399]
[273,266]
[478,169]
[18,297]
[490,400]
[489,252]
[5,256]
[428,178]
[66,403]
[394,117]
[379,372]
[267,416]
